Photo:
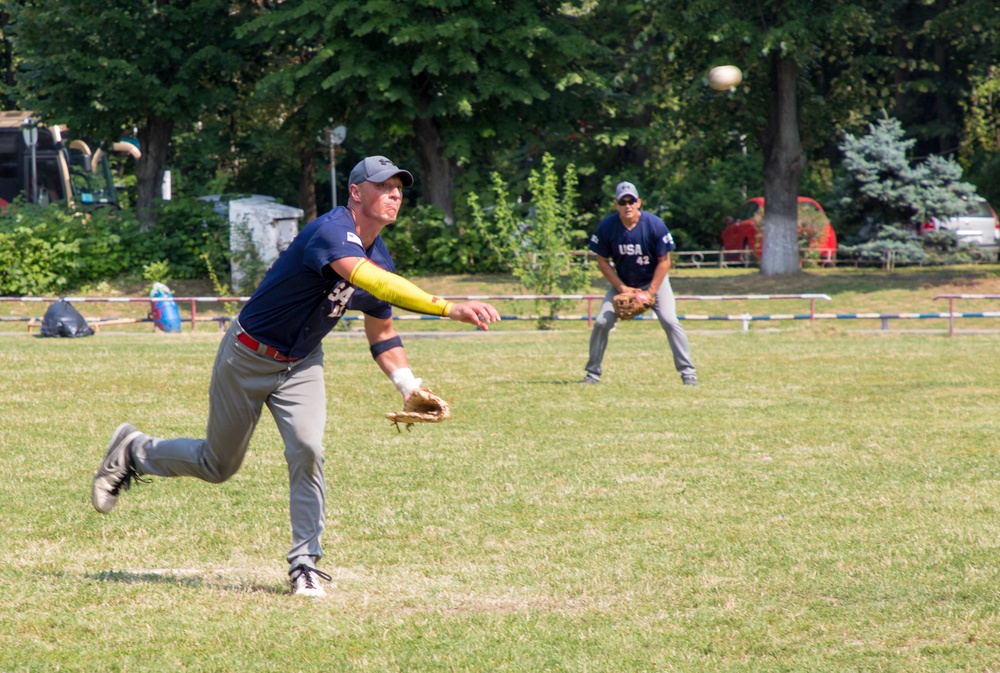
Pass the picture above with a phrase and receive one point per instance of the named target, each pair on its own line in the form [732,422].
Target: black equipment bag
[62,320]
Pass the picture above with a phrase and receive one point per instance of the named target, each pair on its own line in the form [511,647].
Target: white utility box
[259,229]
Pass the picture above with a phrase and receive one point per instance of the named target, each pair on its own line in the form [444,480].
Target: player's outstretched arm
[398,291]
[389,287]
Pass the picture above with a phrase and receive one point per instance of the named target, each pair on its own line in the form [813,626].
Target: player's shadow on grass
[186,580]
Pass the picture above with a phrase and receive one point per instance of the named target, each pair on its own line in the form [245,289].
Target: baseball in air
[724,77]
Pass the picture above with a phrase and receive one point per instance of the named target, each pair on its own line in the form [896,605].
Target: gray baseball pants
[242,383]
[666,312]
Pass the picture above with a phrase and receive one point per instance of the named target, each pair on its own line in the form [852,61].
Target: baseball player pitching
[272,355]
[633,253]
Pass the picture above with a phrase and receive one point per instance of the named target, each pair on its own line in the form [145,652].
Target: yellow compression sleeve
[396,290]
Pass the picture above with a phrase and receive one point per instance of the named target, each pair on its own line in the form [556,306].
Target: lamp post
[334,137]
[29,131]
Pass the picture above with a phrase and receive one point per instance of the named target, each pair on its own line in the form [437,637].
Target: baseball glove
[630,304]
[422,406]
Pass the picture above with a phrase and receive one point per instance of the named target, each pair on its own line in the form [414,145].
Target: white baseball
[724,77]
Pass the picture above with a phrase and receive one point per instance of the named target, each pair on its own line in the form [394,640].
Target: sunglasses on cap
[627,201]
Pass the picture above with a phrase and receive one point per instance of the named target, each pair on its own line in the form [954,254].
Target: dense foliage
[444,79]
[45,250]
[108,66]
[235,95]
[882,184]
[422,241]
[537,246]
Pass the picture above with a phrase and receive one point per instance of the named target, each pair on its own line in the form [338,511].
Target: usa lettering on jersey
[629,248]
[339,296]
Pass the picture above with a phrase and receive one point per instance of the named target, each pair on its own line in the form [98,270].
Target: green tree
[884,187]
[284,127]
[107,66]
[538,248]
[980,151]
[813,70]
[6,62]
[908,56]
[448,76]
[943,51]
[783,48]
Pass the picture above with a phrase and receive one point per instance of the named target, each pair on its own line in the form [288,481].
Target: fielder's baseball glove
[422,406]
[630,304]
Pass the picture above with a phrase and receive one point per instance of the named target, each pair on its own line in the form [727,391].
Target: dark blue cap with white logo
[378,169]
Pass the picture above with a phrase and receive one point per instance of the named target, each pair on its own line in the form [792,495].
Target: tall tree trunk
[154,141]
[784,164]
[437,174]
[307,184]
[946,141]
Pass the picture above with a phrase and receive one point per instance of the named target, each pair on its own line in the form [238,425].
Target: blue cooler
[164,313]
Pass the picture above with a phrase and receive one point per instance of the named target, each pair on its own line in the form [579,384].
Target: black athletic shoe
[116,471]
[303,582]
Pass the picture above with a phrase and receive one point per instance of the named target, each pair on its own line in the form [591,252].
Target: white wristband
[404,380]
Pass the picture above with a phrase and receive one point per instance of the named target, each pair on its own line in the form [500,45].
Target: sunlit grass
[820,502]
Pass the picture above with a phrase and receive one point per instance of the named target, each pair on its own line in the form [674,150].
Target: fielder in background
[633,254]
[272,355]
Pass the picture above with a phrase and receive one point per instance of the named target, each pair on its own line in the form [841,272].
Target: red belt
[263,349]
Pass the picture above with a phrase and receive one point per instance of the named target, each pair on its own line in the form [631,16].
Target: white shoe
[305,581]
[116,471]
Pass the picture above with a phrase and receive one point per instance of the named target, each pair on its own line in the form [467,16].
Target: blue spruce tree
[882,187]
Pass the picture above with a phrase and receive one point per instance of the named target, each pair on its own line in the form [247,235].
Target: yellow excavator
[44,164]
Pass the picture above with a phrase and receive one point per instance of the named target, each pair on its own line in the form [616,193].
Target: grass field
[822,501]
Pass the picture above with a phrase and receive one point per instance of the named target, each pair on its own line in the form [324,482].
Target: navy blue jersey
[634,253]
[301,298]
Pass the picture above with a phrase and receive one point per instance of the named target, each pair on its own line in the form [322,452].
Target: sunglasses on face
[626,201]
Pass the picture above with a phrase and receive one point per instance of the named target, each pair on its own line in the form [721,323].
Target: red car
[745,232]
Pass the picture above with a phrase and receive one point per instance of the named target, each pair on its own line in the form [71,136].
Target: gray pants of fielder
[242,383]
[666,312]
